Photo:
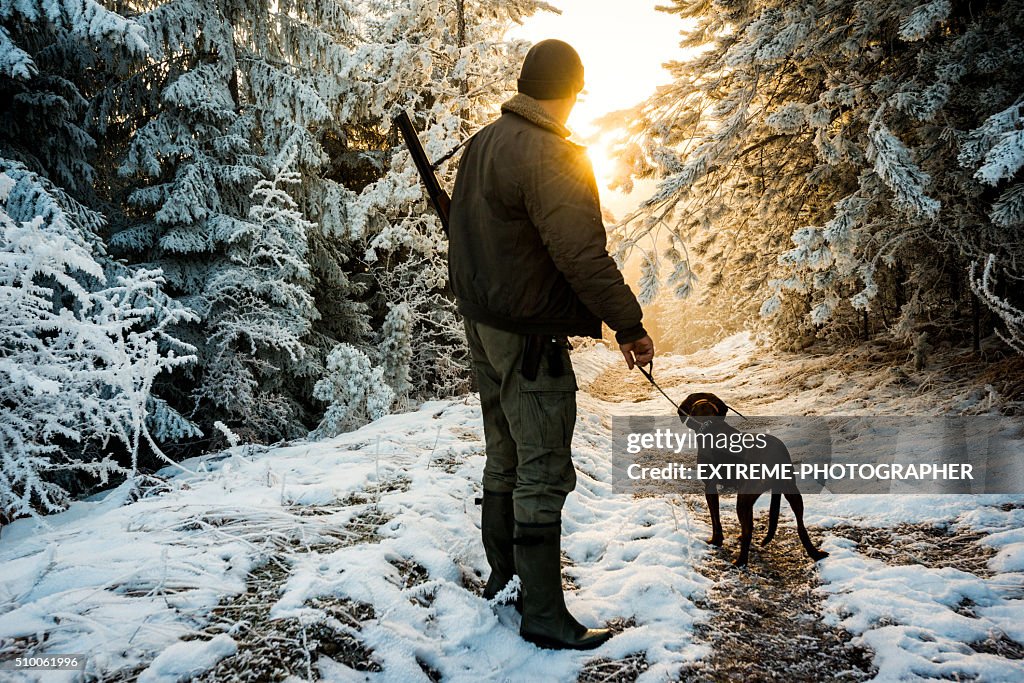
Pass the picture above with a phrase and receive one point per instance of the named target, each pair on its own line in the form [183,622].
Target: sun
[623,46]
[604,165]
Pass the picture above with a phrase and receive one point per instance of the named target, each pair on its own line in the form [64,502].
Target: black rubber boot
[546,621]
[497,523]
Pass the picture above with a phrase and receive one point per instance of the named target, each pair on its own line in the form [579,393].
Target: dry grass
[622,670]
[927,545]
[999,645]
[450,460]
[271,529]
[275,649]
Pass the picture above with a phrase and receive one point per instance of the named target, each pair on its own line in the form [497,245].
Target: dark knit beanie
[552,70]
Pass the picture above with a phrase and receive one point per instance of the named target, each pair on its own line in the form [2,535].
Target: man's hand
[639,352]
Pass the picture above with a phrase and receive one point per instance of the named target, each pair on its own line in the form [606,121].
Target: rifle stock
[439,199]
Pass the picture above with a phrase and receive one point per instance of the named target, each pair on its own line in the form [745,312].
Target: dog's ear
[720,408]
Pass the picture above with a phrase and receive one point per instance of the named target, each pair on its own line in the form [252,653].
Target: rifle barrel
[439,199]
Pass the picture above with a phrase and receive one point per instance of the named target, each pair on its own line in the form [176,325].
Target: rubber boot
[497,523]
[546,621]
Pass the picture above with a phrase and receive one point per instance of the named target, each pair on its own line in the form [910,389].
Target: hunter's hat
[552,70]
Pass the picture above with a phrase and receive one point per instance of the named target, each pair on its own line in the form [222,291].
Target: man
[529,266]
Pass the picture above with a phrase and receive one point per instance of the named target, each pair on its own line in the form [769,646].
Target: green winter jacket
[527,247]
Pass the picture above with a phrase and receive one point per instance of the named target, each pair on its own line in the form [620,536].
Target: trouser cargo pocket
[548,409]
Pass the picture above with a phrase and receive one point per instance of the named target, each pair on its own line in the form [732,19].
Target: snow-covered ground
[359,557]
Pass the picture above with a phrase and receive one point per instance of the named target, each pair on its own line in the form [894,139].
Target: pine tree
[84,336]
[260,312]
[354,390]
[244,151]
[241,89]
[49,50]
[396,350]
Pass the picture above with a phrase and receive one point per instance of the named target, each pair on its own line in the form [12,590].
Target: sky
[622,45]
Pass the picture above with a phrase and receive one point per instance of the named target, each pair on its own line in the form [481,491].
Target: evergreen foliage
[354,390]
[835,166]
[246,86]
[82,345]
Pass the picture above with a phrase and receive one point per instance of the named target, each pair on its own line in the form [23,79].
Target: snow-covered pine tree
[52,54]
[1011,315]
[354,390]
[994,153]
[81,348]
[50,50]
[811,159]
[260,312]
[233,90]
[396,350]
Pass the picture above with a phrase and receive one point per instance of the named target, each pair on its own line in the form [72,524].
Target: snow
[905,615]
[188,658]
[132,580]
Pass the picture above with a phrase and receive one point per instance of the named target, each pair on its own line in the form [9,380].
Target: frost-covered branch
[1011,316]
[81,349]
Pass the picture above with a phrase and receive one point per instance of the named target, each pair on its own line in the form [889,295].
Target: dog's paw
[739,563]
[716,541]
[819,555]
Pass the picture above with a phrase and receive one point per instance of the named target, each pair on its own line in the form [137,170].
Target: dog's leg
[716,518]
[773,518]
[796,502]
[745,513]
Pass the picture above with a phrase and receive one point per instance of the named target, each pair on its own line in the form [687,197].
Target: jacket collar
[529,109]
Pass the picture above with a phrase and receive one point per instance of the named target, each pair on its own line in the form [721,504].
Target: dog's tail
[773,518]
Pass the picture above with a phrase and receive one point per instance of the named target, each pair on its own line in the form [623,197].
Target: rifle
[439,199]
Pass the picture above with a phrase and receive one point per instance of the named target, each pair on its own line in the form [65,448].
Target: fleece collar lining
[529,109]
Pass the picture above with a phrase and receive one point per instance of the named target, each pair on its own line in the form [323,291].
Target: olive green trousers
[528,424]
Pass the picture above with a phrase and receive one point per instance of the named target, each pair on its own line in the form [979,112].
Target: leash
[649,374]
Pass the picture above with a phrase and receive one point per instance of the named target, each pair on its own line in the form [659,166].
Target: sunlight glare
[623,46]
[602,161]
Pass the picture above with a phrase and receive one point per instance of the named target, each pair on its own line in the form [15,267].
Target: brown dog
[705,413]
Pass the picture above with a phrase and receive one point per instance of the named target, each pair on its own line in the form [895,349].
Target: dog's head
[700,405]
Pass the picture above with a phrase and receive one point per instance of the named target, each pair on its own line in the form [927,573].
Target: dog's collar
[695,424]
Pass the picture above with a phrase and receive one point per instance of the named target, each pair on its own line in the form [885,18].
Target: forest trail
[766,619]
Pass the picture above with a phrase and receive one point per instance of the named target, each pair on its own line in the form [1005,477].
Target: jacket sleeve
[561,198]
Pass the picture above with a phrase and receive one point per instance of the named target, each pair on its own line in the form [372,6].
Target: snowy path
[358,558]
[767,620]
[904,571]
